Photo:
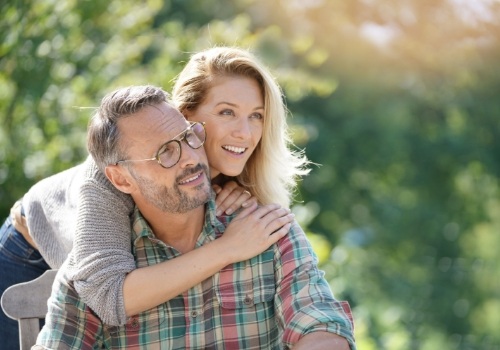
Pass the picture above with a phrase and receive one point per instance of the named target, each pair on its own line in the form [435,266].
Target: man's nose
[191,156]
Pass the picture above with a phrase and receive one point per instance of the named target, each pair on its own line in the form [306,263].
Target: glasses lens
[196,135]
[169,154]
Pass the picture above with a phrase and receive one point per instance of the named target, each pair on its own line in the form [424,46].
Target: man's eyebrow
[182,132]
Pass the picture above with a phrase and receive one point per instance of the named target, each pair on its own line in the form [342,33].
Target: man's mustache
[199,167]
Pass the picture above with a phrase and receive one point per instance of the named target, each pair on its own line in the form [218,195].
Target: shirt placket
[193,301]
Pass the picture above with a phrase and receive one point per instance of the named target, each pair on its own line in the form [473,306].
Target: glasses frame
[177,139]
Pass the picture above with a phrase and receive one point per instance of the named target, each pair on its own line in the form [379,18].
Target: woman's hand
[231,197]
[255,229]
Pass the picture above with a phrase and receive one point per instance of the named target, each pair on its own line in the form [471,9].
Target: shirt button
[194,314]
[247,300]
[135,323]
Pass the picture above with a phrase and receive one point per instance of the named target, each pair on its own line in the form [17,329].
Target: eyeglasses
[169,153]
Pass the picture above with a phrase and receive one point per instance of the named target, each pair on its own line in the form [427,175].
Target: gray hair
[103,134]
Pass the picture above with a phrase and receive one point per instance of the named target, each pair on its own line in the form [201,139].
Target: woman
[247,140]
[272,169]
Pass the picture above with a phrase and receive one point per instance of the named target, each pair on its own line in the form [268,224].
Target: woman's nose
[243,129]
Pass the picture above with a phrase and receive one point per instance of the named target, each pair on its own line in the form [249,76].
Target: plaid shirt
[267,302]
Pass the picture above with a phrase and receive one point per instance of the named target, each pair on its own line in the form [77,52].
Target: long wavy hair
[272,171]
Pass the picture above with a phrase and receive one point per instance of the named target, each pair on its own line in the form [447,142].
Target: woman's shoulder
[55,187]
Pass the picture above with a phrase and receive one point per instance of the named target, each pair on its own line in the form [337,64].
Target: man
[275,300]
[39,232]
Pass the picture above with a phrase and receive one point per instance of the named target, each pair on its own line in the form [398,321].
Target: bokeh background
[397,101]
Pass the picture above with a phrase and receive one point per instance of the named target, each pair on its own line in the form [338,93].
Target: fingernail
[229,211]
[245,204]
[218,212]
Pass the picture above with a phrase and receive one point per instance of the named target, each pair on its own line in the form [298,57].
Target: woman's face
[233,111]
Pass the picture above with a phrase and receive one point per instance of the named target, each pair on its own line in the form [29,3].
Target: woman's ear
[120,178]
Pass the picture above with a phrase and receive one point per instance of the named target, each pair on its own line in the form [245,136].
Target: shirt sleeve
[304,300]
[102,256]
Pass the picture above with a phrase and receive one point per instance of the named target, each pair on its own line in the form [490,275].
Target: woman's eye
[257,116]
[227,112]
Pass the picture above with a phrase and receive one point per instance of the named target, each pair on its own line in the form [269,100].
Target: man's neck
[180,231]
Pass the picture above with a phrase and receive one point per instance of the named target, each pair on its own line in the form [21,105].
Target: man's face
[178,189]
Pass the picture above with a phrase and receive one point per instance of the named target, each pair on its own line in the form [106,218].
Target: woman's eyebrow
[235,105]
[226,103]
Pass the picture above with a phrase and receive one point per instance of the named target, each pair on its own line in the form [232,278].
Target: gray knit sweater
[80,208]
[50,209]
[102,255]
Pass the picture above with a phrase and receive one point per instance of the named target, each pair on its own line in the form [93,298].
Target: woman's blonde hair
[272,171]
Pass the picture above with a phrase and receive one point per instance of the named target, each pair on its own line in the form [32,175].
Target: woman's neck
[221,179]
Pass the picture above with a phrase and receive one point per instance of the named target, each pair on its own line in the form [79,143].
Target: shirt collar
[212,228]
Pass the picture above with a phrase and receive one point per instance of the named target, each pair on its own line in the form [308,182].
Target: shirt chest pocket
[245,285]
[149,321]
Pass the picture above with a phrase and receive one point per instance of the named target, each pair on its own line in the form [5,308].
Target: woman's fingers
[275,223]
[239,198]
[259,212]
[276,219]
[246,211]
[216,189]
[255,229]
[267,218]
[279,233]
[232,197]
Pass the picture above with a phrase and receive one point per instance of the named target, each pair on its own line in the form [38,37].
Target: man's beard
[174,200]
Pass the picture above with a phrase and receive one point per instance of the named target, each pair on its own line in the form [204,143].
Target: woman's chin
[226,170]
[231,171]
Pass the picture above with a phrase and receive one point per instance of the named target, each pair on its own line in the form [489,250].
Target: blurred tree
[397,100]
[413,120]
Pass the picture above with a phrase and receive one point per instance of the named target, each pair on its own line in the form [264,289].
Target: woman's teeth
[234,149]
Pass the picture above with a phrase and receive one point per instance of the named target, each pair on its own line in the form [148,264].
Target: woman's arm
[102,255]
[265,225]
[103,267]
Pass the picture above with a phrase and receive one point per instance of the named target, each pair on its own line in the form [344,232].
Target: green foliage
[396,100]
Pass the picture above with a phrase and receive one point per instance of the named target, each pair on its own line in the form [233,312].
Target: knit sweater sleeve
[50,207]
[102,256]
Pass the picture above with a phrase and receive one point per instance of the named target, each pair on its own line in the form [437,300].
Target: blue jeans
[19,262]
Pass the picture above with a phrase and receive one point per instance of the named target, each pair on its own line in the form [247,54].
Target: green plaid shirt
[267,302]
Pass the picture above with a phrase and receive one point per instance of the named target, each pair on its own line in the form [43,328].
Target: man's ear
[187,114]
[120,178]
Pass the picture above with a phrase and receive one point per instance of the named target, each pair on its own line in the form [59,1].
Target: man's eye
[168,149]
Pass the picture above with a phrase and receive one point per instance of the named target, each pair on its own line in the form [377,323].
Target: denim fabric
[19,262]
